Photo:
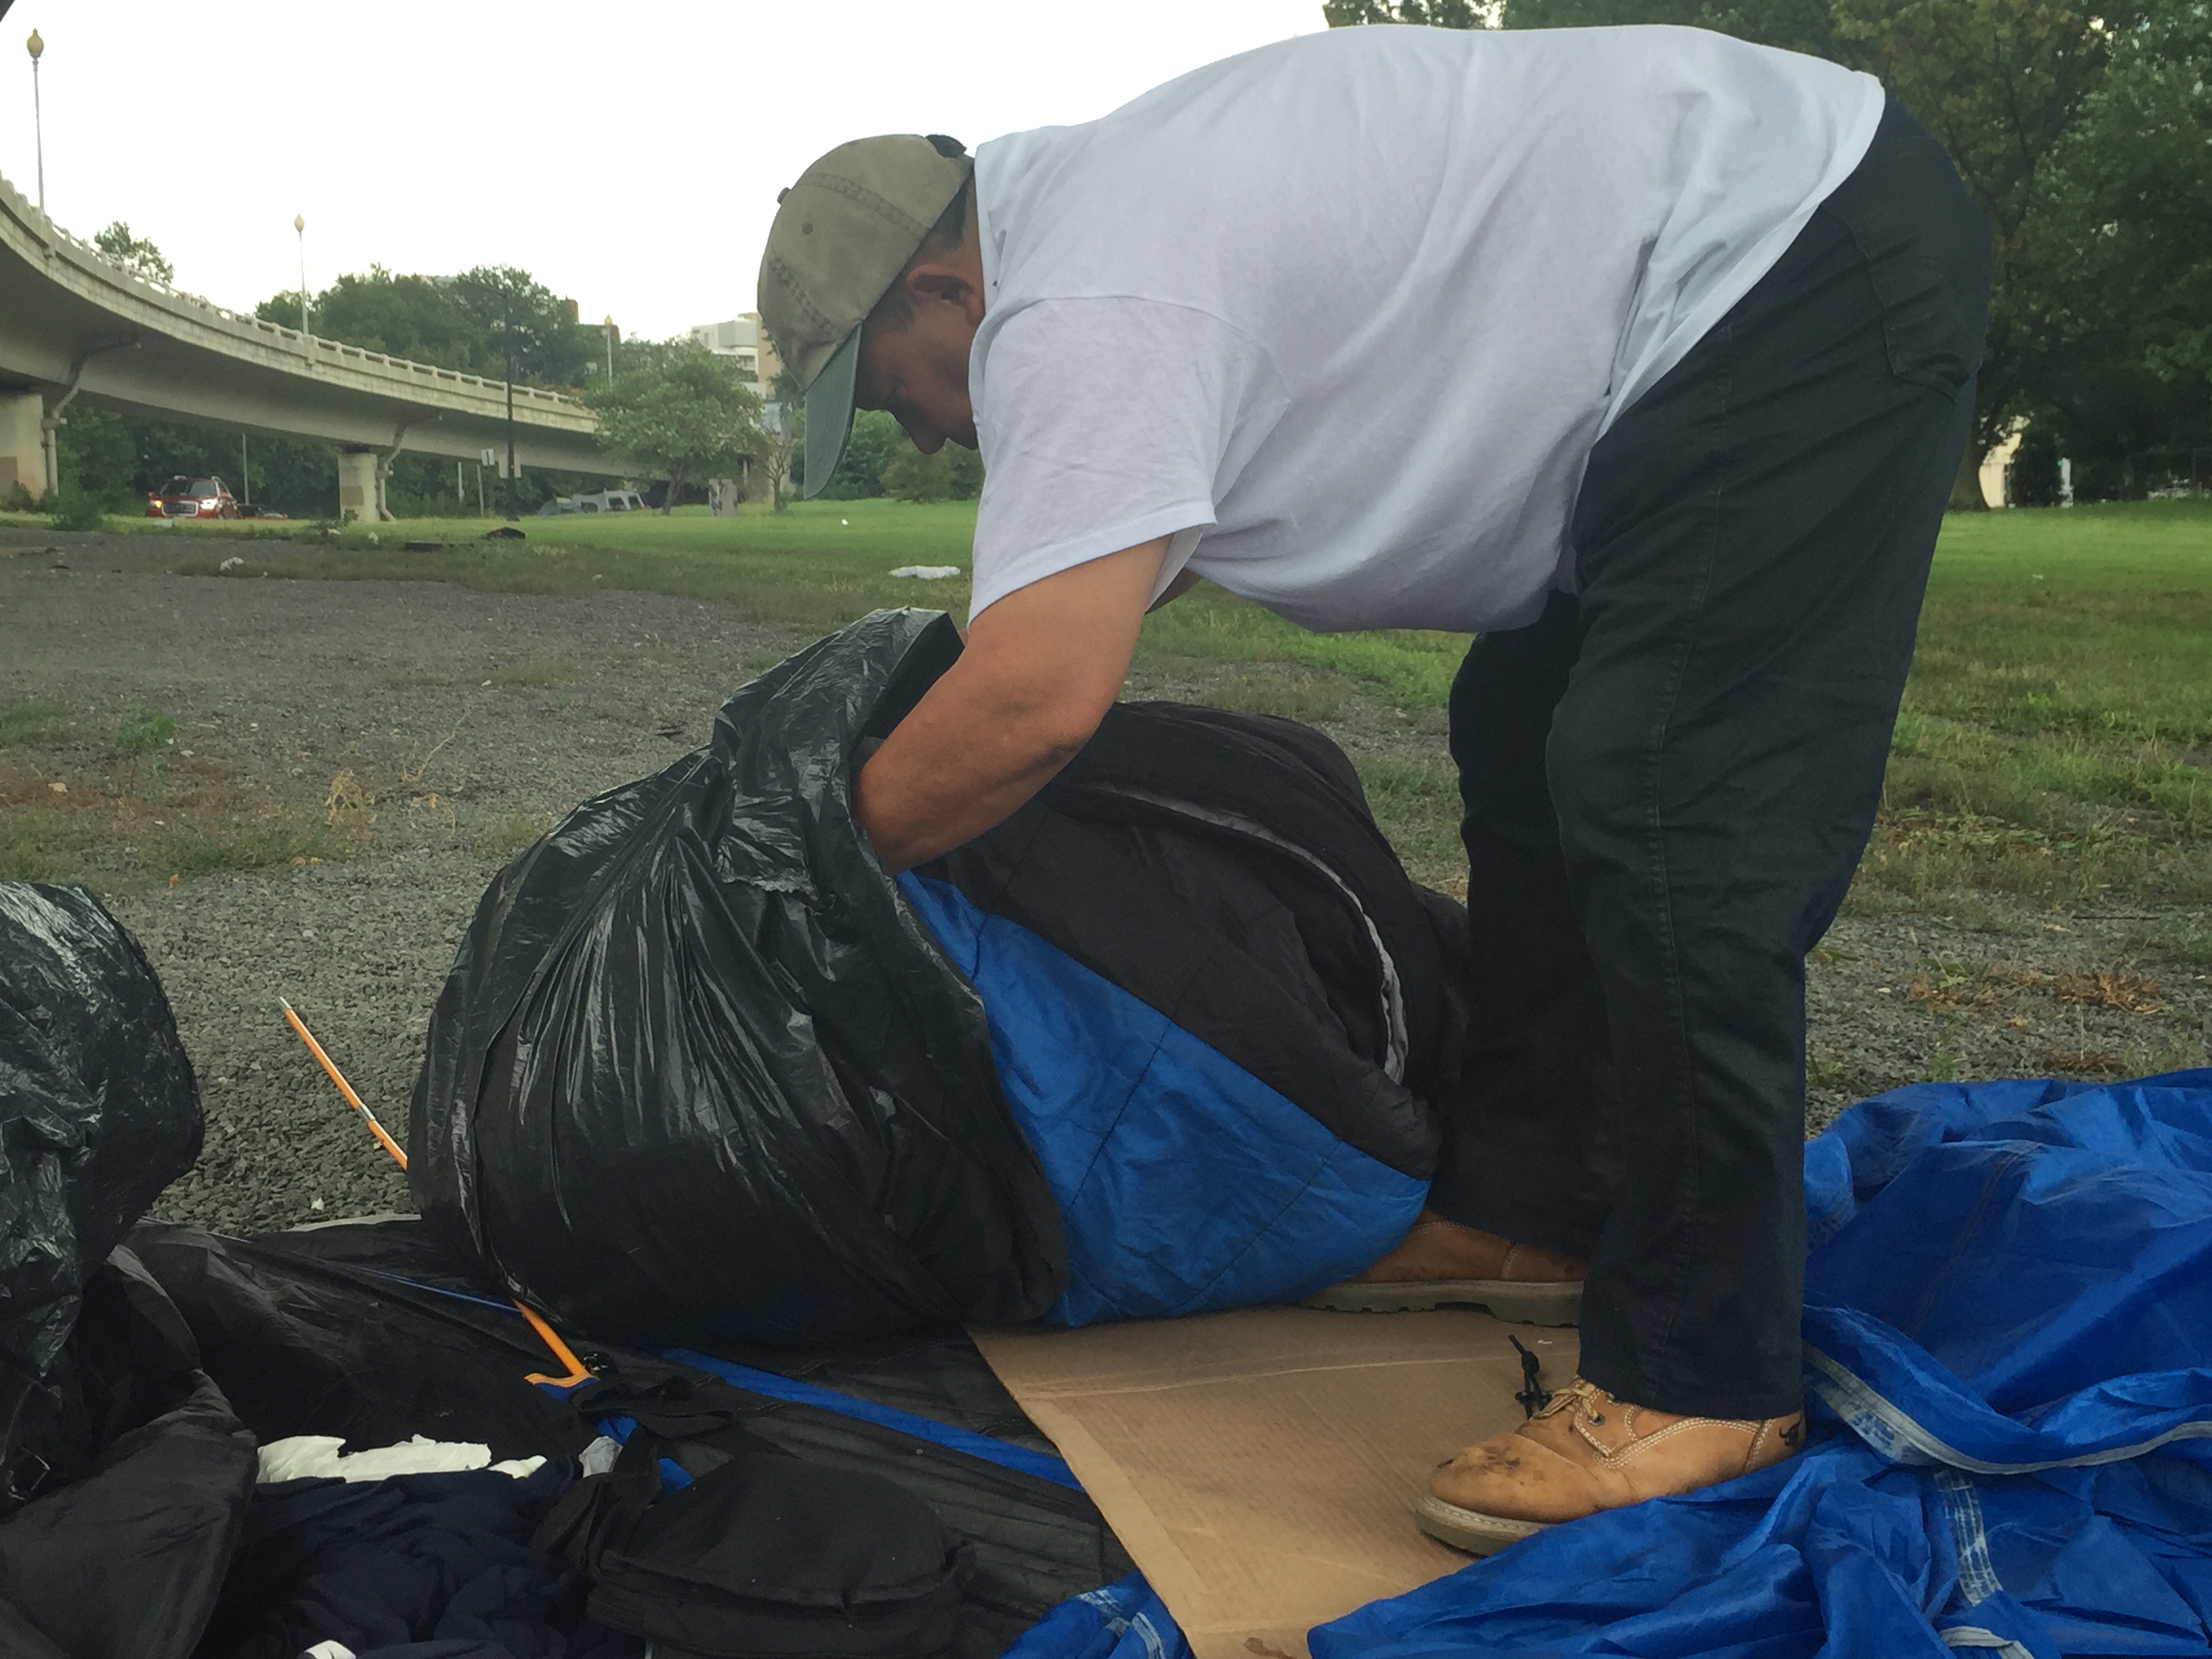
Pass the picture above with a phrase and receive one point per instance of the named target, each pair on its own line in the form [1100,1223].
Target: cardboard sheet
[1262,1466]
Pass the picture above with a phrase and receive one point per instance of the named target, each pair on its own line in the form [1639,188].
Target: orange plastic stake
[577,1372]
[337,1077]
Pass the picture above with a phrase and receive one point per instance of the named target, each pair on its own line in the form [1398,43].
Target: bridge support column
[359,493]
[23,442]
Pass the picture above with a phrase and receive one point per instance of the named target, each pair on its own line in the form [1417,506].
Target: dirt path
[447,727]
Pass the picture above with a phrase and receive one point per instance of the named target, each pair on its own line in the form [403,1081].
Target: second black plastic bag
[698,1071]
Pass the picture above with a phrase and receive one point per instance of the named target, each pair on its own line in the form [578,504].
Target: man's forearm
[967,757]
[1041,669]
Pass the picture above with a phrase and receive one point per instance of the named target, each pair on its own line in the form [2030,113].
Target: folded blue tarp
[2008,1347]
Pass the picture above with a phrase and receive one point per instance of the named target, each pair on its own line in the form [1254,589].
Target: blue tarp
[2009,1337]
[2009,1342]
[1184,1182]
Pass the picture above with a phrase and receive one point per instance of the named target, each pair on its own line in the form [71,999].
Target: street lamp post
[300,229]
[37,48]
[610,346]
[507,339]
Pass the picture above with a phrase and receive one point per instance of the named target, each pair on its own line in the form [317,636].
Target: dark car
[253,510]
[184,497]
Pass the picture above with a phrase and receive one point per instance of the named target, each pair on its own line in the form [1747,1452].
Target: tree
[136,254]
[455,322]
[1440,14]
[2123,370]
[953,474]
[877,438]
[783,437]
[685,416]
[2012,89]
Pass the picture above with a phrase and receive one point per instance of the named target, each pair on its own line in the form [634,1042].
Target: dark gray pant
[1669,779]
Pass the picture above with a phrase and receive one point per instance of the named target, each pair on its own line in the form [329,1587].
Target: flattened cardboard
[1262,1466]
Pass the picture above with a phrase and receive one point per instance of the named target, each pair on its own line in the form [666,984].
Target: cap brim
[829,414]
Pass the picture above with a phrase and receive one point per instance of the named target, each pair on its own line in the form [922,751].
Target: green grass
[2053,747]
[2058,725]
[142,730]
[109,846]
[539,671]
[36,720]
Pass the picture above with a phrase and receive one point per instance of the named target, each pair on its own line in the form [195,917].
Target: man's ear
[948,282]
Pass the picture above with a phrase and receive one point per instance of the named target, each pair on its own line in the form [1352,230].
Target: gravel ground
[467,720]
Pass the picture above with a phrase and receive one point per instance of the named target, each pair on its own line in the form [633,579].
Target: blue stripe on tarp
[1184,1182]
[1044,1465]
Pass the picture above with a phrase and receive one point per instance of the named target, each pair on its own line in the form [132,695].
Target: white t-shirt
[1343,315]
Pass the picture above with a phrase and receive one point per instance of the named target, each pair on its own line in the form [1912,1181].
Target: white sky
[628,154]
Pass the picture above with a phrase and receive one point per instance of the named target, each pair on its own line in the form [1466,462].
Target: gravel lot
[467,720]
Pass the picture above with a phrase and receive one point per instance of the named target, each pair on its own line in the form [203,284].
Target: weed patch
[504,834]
[143,730]
[1416,802]
[537,671]
[36,720]
[101,828]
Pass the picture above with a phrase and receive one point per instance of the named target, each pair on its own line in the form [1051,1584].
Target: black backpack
[759,1555]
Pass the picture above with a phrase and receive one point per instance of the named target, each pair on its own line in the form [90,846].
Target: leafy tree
[953,474]
[783,440]
[2056,114]
[685,416]
[2122,372]
[456,322]
[136,254]
[876,440]
[1442,14]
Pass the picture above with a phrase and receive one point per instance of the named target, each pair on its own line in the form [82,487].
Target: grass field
[2053,749]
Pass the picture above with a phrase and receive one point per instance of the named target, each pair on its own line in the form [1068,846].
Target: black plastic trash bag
[122,1552]
[99,1112]
[698,1069]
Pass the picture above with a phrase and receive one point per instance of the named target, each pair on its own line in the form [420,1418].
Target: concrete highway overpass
[74,325]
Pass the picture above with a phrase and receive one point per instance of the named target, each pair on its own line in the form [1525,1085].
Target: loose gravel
[465,722]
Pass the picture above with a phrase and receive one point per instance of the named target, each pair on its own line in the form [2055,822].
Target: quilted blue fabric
[1184,1182]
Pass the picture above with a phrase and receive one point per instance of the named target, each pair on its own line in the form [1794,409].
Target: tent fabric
[321,1331]
[2009,1330]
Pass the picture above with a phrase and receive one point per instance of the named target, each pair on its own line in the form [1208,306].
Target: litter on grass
[928,573]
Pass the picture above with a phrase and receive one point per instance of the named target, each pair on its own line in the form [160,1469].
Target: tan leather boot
[1586,1451]
[1441,1263]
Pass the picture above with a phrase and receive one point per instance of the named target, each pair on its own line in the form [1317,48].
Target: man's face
[919,373]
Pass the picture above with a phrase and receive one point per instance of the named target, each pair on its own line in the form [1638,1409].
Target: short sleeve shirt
[1344,316]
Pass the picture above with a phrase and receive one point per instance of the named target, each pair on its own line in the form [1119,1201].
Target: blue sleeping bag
[1217,1010]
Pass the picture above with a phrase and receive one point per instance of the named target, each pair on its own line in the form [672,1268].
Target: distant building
[744,338]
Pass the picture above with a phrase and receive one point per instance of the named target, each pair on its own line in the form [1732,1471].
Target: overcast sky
[628,154]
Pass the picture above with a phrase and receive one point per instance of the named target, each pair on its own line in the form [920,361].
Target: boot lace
[1586,1399]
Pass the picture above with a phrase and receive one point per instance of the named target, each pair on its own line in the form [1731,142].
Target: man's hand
[1041,667]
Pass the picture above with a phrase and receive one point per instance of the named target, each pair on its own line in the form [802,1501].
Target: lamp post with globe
[300,229]
[37,48]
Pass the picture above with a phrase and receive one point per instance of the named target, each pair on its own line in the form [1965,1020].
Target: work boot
[1440,1262]
[1583,1451]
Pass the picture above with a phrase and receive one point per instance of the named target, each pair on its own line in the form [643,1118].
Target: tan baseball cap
[842,235]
